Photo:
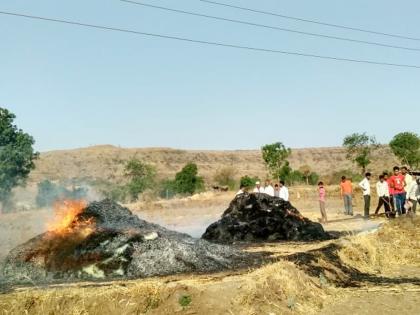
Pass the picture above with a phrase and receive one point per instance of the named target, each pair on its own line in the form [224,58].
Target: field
[372,268]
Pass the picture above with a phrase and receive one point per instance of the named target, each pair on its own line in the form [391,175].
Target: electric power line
[310,21]
[197,41]
[269,27]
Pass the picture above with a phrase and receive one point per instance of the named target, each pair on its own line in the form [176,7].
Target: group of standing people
[398,193]
[279,190]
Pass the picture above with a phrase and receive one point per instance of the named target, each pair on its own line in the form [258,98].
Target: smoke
[369,227]
[191,220]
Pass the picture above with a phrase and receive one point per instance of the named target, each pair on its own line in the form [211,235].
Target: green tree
[406,146]
[248,181]
[285,172]
[306,172]
[359,148]
[313,178]
[187,180]
[226,177]
[275,157]
[17,156]
[294,177]
[141,177]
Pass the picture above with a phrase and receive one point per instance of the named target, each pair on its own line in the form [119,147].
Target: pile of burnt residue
[106,241]
[259,217]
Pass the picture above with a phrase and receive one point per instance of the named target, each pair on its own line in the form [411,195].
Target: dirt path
[401,300]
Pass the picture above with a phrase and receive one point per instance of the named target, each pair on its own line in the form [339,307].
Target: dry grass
[107,162]
[284,288]
[278,288]
[397,243]
[136,298]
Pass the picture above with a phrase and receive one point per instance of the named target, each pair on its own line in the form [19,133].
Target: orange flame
[65,222]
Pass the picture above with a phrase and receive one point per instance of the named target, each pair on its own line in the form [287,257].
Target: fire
[65,221]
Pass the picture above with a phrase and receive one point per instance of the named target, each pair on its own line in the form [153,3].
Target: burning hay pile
[258,217]
[105,241]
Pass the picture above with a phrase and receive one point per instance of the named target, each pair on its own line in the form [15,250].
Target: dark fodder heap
[106,241]
[258,217]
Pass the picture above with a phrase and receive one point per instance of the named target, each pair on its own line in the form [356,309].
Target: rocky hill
[107,162]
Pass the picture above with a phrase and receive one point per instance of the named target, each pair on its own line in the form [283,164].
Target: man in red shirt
[397,184]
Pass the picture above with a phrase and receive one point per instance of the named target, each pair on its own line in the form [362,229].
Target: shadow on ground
[325,262]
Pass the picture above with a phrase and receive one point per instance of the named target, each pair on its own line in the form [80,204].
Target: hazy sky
[73,87]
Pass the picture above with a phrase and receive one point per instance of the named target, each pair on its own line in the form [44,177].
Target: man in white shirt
[407,177]
[258,189]
[284,192]
[382,189]
[365,185]
[269,190]
[412,193]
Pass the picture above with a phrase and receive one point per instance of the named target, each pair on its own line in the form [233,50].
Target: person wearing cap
[365,185]
[258,189]
[268,189]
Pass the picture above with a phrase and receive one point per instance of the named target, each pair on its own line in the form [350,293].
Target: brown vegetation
[106,163]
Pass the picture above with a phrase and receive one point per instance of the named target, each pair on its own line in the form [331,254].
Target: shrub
[248,181]
[285,173]
[185,300]
[313,178]
[141,177]
[167,189]
[306,172]
[293,177]
[335,177]
[187,180]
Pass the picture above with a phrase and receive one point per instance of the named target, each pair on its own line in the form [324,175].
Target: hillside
[107,162]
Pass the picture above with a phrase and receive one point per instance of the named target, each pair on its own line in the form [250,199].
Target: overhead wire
[358,29]
[268,26]
[204,42]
